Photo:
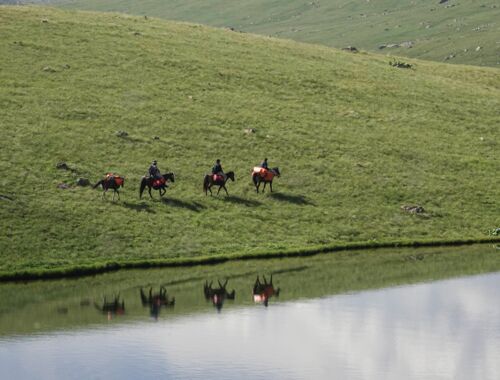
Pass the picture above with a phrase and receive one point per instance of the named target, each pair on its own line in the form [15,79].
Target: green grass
[455,28]
[354,137]
[54,305]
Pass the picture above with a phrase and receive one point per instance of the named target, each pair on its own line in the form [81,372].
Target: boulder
[63,186]
[413,209]
[352,49]
[121,134]
[82,182]
[62,165]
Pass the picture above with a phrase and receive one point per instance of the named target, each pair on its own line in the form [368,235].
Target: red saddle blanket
[218,178]
[118,179]
[159,182]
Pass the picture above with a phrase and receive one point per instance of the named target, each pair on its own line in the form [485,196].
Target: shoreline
[103,267]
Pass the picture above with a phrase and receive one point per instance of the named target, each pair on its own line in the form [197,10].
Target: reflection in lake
[262,291]
[156,301]
[218,295]
[111,308]
[325,325]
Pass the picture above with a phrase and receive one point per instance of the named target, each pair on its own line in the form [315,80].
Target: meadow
[464,32]
[354,137]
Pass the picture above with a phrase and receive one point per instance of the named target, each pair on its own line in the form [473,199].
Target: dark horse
[150,183]
[265,176]
[208,182]
[113,182]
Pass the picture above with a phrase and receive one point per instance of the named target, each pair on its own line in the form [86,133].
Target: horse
[262,291]
[150,183]
[111,181]
[265,176]
[218,295]
[209,181]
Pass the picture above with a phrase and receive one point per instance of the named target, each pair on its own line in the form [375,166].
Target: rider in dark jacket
[154,172]
[264,164]
[217,168]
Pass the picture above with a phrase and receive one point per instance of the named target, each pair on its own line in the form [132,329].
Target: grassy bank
[354,137]
[103,267]
[451,31]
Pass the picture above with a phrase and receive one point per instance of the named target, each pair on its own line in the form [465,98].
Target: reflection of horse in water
[114,307]
[262,291]
[218,295]
[156,301]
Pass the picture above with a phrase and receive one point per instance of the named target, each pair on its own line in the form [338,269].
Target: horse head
[169,176]
[276,171]
[230,175]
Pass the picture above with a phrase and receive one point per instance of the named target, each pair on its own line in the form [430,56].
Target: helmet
[154,162]
[218,161]
[265,159]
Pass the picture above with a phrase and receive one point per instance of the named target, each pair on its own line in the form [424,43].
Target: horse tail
[101,182]
[143,186]
[206,182]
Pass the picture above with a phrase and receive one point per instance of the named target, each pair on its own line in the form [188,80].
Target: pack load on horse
[217,178]
[155,180]
[111,181]
[262,291]
[262,173]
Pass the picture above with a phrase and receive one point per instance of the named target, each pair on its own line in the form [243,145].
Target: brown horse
[209,181]
[262,291]
[111,181]
[151,183]
[265,176]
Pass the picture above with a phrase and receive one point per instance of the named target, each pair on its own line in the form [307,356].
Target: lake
[325,322]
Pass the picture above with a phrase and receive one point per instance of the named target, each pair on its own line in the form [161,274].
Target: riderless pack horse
[159,184]
[216,180]
[266,176]
[111,181]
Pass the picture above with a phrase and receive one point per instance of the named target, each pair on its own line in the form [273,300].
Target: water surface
[316,329]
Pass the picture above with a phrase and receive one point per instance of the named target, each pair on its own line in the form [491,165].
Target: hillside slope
[466,32]
[354,137]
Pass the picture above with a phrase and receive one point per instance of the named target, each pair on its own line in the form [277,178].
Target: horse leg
[264,188]
[218,191]
[224,186]
[271,186]
[149,191]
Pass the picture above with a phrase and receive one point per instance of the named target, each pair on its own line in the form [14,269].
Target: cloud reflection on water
[443,330]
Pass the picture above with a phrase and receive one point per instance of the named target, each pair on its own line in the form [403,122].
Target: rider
[264,165]
[154,172]
[217,168]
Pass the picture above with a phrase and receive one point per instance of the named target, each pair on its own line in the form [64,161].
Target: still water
[447,329]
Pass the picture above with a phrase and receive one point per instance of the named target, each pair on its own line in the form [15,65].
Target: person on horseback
[217,169]
[264,164]
[154,172]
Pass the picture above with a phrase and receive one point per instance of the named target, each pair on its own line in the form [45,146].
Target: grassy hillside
[451,31]
[354,137]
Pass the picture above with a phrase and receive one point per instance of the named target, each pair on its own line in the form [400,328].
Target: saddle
[118,179]
[218,178]
[158,182]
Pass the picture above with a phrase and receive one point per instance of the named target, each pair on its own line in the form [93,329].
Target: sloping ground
[355,139]
[466,32]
